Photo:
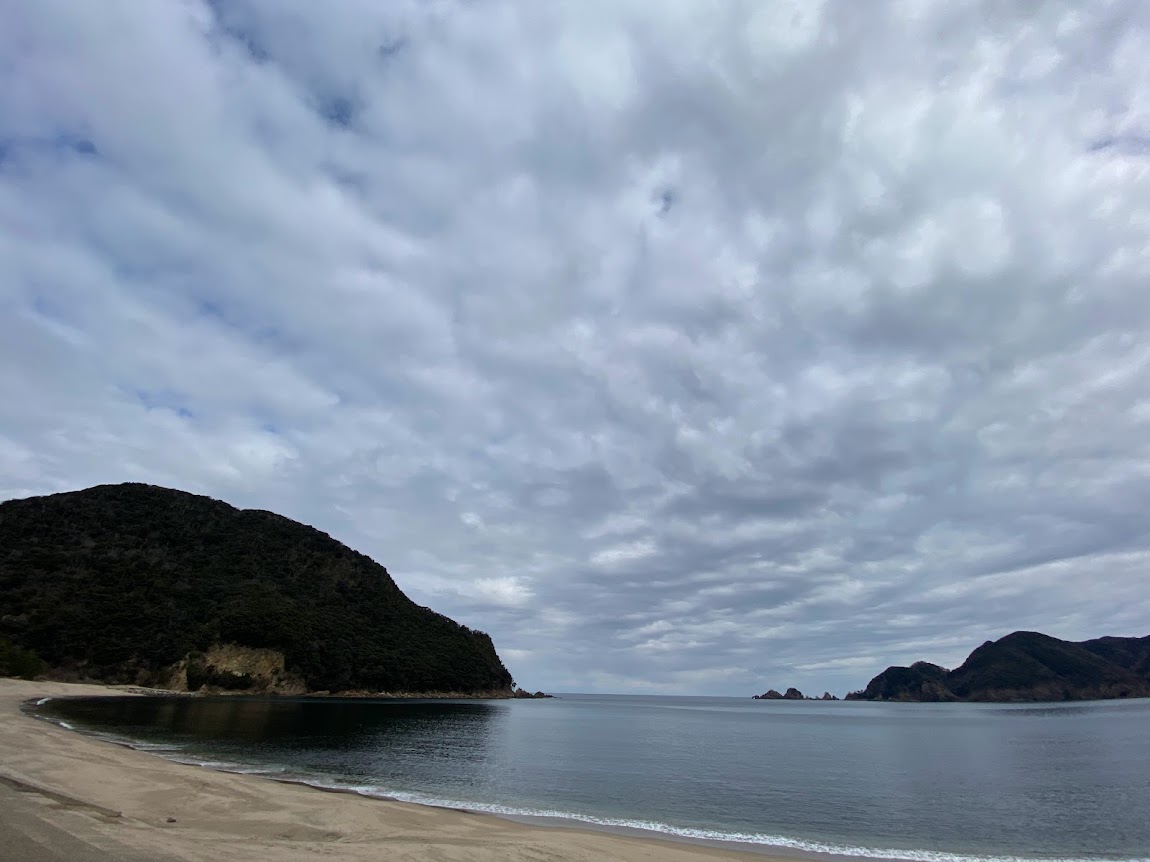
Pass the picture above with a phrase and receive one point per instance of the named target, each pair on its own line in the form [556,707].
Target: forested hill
[139,584]
[1025,666]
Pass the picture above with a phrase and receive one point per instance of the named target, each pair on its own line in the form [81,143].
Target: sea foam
[652,827]
[658,828]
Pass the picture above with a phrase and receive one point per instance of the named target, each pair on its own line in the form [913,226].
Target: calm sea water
[911,781]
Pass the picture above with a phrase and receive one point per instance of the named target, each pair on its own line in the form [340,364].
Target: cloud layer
[690,348]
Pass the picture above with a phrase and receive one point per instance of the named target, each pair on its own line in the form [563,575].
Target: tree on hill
[121,582]
[1025,666]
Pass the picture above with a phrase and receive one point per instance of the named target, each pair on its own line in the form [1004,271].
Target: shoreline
[147,691]
[385,821]
[120,802]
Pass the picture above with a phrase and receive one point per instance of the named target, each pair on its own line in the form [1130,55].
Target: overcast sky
[684,347]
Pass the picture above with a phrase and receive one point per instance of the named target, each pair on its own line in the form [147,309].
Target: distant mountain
[139,584]
[1025,666]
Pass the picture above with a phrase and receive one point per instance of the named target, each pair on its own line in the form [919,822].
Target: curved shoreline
[169,810]
[516,833]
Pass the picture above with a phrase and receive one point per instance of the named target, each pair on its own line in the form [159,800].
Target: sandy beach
[66,796]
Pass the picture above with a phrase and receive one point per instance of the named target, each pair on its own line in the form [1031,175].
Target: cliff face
[230,667]
[139,584]
[1025,666]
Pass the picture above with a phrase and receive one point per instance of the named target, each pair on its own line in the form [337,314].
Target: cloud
[701,349]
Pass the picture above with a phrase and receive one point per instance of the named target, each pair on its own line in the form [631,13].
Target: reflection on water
[243,718]
[371,739]
[1062,781]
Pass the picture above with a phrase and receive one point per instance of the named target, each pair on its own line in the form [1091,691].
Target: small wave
[653,826]
[220,765]
[172,752]
[152,747]
[42,701]
[273,771]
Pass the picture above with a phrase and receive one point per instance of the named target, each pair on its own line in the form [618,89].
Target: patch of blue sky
[227,28]
[208,308]
[64,143]
[164,399]
[392,48]
[1125,143]
[73,142]
[53,318]
[45,307]
[339,111]
[257,332]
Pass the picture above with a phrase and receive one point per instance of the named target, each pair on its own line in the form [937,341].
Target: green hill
[139,584]
[1025,666]
[1130,653]
[922,681]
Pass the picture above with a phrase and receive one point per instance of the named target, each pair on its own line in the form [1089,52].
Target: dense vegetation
[119,582]
[1025,666]
[15,661]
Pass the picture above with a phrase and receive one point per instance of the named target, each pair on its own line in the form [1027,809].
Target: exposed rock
[791,694]
[524,694]
[233,668]
[769,695]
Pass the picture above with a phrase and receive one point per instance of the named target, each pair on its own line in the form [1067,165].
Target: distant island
[791,694]
[155,587]
[1024,667]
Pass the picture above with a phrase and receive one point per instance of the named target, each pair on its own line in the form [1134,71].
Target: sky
[684,347]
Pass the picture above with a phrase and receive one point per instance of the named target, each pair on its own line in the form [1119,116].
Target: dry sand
[65,796]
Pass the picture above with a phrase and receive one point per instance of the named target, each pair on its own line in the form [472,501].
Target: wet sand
[66,796]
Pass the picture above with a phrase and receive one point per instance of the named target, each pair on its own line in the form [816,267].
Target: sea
[923,782]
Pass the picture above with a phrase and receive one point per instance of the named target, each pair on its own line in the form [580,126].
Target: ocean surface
[907,781]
